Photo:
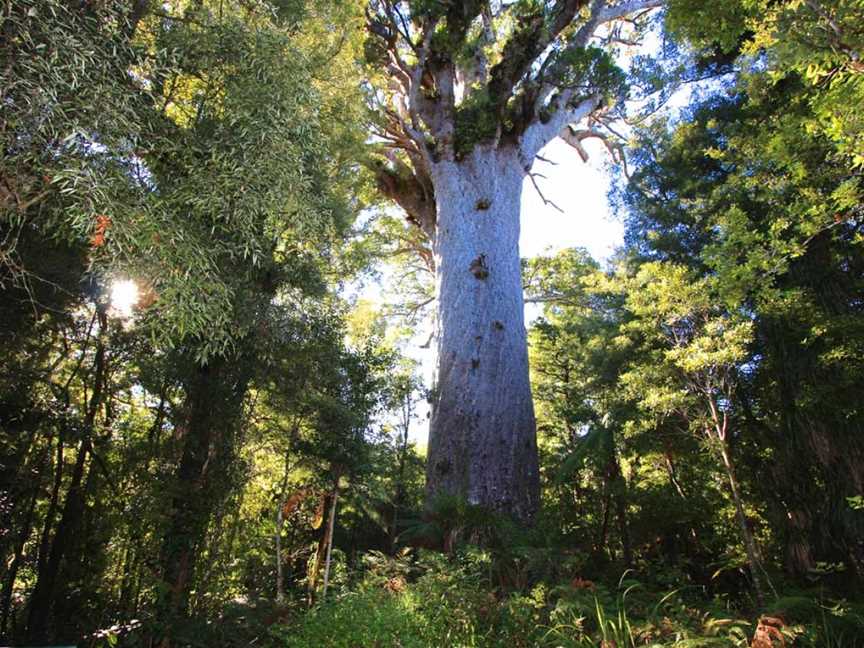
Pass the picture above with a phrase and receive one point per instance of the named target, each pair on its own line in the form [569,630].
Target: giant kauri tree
[474,92]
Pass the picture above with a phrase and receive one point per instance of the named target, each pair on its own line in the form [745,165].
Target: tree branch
[525,46]
[402,185]
[539,134]
[622,9]
[545,200]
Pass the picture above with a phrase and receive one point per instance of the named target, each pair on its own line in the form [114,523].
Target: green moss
[476,121]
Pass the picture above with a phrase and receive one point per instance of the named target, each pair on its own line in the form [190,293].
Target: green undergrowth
[432,600]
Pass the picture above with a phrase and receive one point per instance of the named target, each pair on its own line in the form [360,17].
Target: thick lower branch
[415,197]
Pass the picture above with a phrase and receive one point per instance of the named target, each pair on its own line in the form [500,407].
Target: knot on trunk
[479,268]
[483,204]
[443,466]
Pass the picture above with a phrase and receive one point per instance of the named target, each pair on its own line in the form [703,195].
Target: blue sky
[579,189]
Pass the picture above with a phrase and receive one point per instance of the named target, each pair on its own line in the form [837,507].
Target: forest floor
[470,600]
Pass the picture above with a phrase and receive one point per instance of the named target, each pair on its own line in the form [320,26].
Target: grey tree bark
[482,442]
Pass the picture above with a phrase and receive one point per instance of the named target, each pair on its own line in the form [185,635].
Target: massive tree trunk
[482,442]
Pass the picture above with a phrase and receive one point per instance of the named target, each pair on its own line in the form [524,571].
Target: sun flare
[124,296]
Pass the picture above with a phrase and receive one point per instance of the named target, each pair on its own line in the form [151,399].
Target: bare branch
[545,200]
[574,137]
[428,341]
[546,160]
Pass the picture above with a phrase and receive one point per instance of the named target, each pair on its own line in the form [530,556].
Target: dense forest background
[204,440]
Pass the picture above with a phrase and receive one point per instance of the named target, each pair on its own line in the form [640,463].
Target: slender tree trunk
[619,489]
[746,535]
[53,503]
[330,525]
[36,464]
[280,578]
[13,466]
[18,554]
[624,530]
[676,484]
[603,533]
[482,441]
[39,617]
[320,550]
[720,433]
[130,562]
[673,475]
[400,488]
[280,521]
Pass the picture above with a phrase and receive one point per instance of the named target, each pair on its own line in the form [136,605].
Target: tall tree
[697,351]
[475,90]
[748,192]
[575,365]
[273,176]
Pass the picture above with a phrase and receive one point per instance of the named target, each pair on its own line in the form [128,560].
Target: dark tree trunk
[51,513]
[40,613]
[39,618]
[619,486]
[77,593]
[601,545]
[399,496]
[26,528]
[211,413]
[15,471]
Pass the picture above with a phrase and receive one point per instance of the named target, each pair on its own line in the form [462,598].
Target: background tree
[697,351]
[774,211]
[215,173]
[576,361]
